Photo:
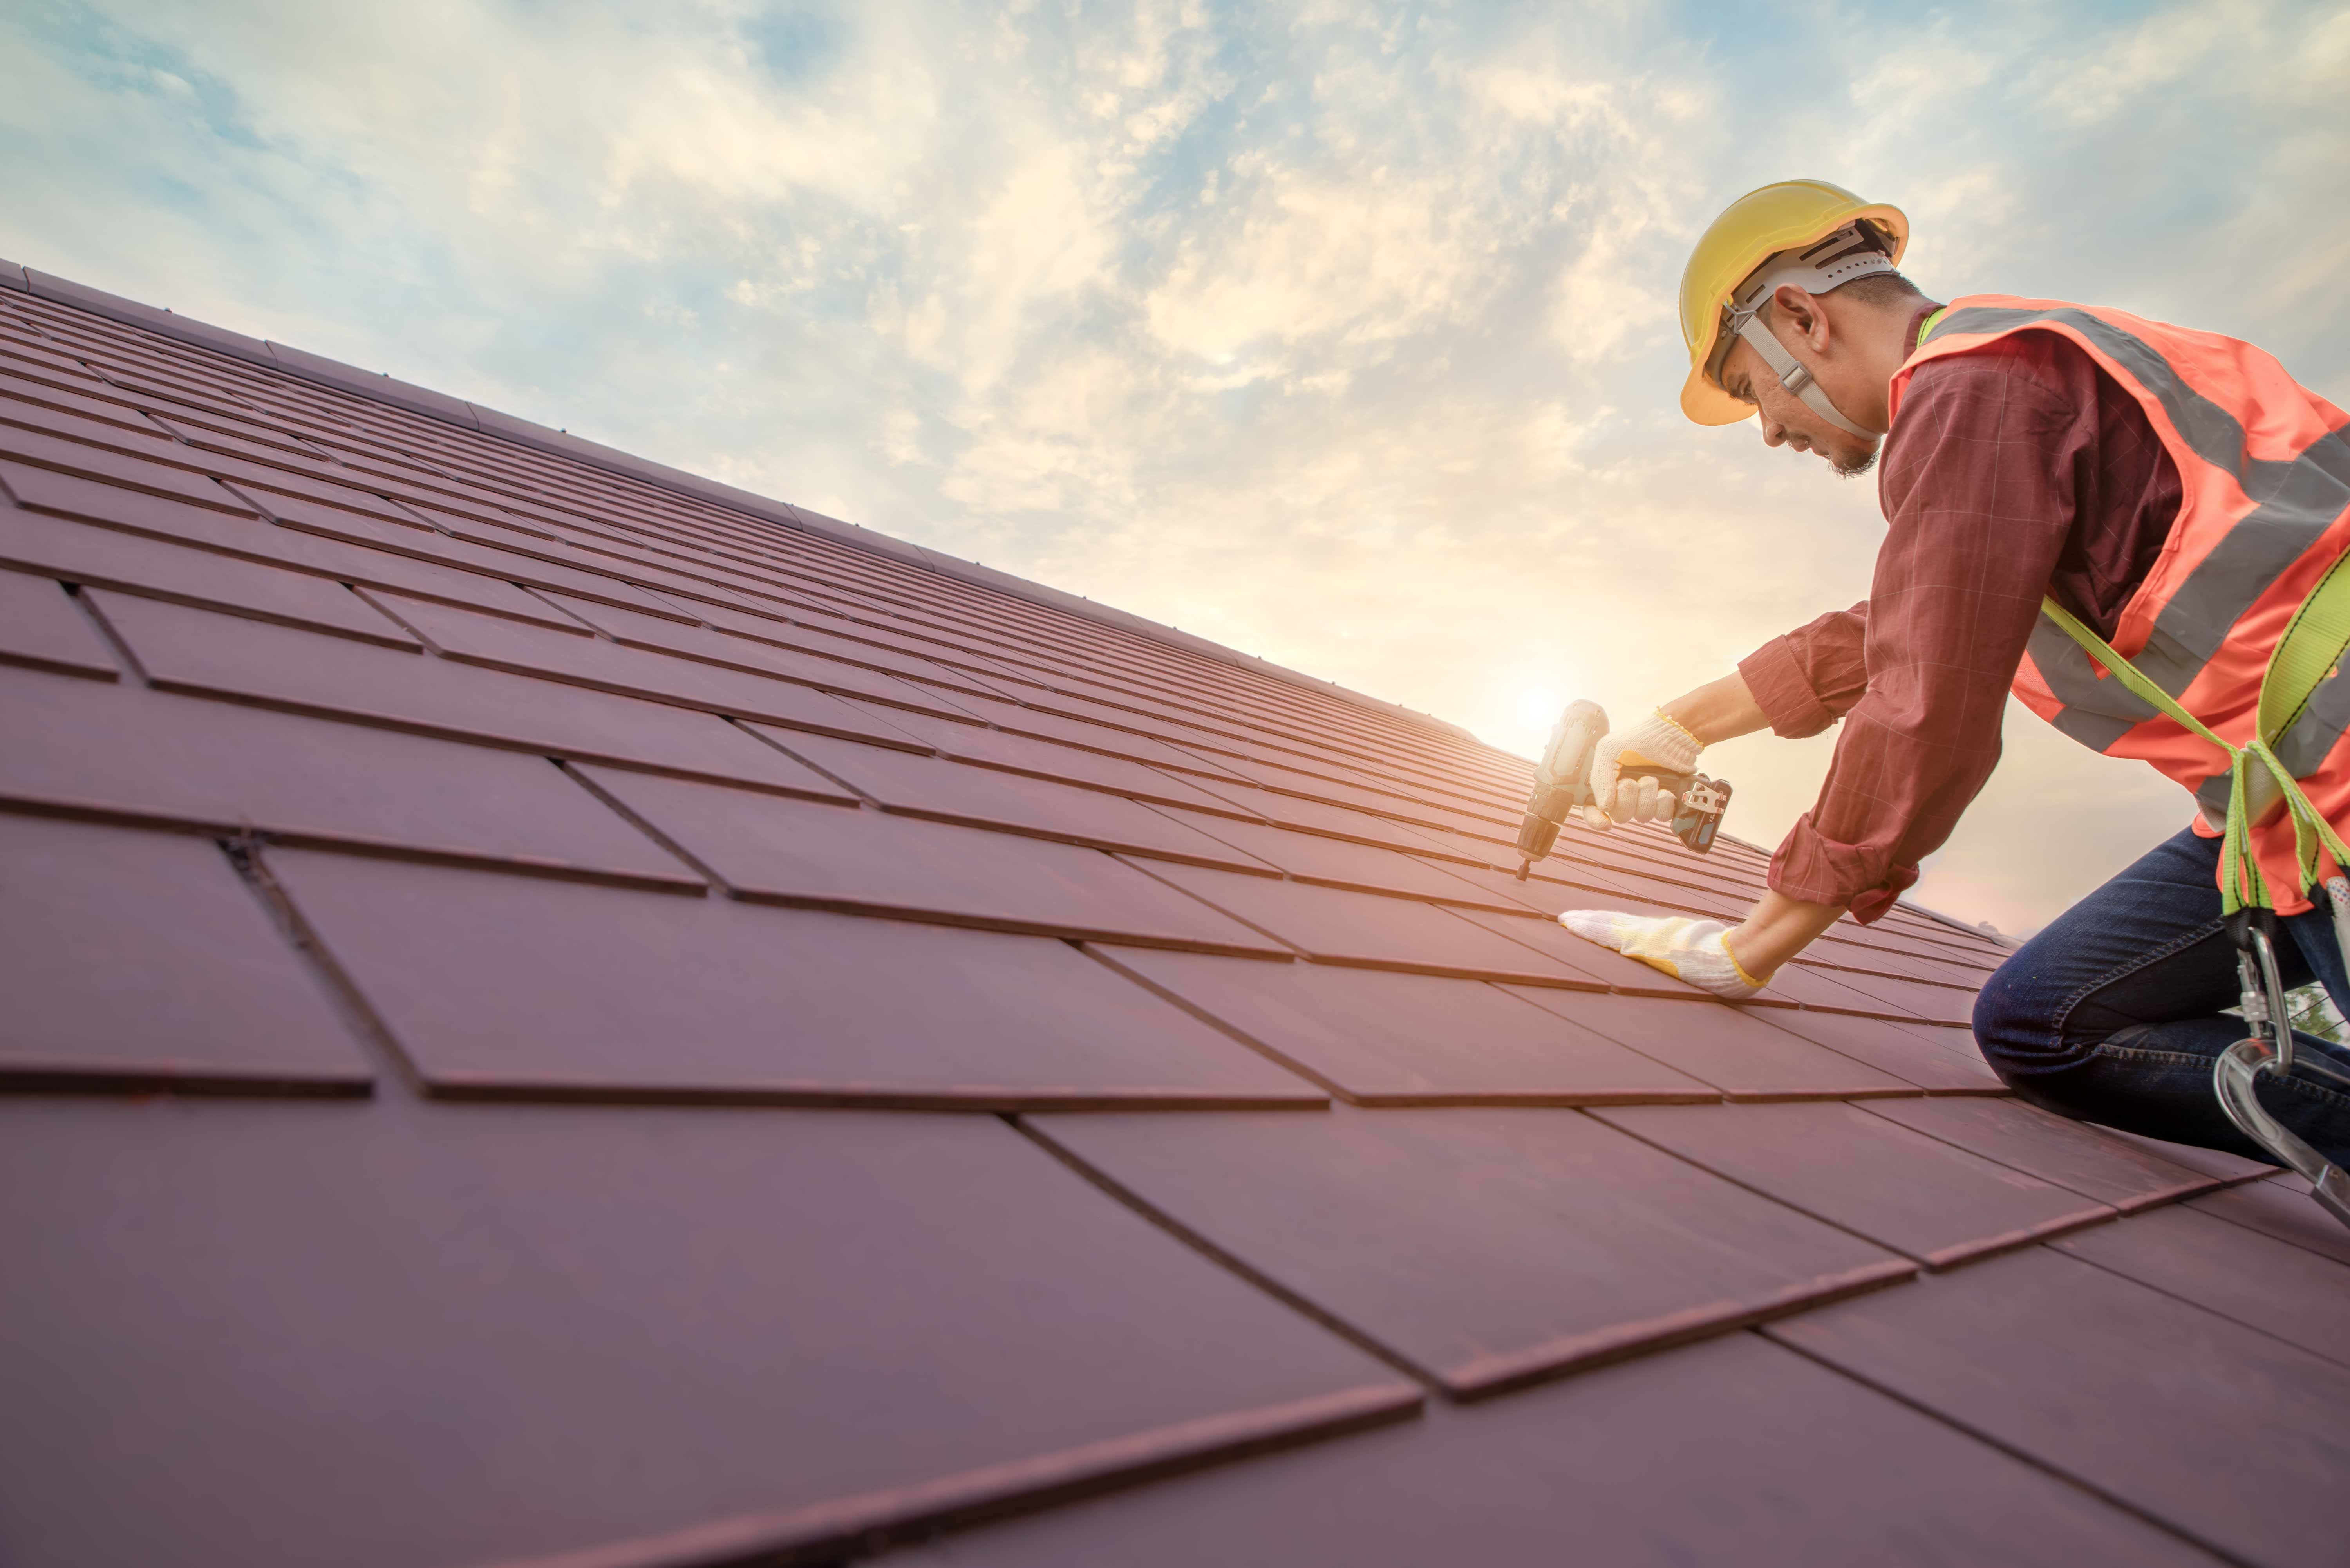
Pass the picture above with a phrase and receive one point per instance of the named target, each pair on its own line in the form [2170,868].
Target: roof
[562,1015]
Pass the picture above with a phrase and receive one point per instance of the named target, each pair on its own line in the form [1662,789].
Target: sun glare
[1519,712]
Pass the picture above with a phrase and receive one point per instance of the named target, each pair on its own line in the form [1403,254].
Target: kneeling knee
[2014,1026]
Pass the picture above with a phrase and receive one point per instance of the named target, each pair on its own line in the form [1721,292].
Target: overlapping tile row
[568,1328]
[555,912]
[886,588]
[1736,1450]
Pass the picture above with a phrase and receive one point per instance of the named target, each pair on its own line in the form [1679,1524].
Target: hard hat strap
[1795,376]
[1828,264]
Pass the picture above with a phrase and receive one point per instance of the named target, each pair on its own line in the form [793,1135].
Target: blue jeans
[2112,1013]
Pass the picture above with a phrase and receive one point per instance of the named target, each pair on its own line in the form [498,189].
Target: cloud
[1341,333]
[1315,258]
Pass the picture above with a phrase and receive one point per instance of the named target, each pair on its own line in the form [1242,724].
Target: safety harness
[2309,651]
[2312,645]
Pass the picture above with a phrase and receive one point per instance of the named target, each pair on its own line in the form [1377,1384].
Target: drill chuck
[1539,831]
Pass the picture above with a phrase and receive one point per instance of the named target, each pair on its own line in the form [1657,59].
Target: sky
[1341,333]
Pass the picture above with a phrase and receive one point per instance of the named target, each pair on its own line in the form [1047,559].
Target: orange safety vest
[2264,474]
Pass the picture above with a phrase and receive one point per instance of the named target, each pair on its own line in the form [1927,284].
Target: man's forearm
[1777,929]
[1718,711]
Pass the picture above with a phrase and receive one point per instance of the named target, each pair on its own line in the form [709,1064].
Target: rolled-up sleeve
[1977,492]
[1809,678]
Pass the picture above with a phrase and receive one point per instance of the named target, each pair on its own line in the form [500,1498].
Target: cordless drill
[1563,783]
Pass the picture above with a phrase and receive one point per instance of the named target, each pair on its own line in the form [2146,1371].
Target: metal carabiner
[2233,1076]
[2266,1006]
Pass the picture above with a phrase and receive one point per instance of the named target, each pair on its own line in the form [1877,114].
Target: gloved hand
[1687,949]
[1654,739]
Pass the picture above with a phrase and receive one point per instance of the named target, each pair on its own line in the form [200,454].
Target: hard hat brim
[1707,404]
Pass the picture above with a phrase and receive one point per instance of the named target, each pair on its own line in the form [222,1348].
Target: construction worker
[2176,498]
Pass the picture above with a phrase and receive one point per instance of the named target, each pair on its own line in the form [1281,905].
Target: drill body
[1563,785]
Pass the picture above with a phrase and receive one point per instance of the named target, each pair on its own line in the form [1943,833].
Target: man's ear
[1805,321]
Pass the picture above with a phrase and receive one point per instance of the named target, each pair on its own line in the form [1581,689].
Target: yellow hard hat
[1758,225]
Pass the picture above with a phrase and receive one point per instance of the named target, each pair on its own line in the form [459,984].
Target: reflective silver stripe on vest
[2296,502]
[2310,739]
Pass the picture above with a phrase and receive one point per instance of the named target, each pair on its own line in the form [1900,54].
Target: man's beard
[1857,469]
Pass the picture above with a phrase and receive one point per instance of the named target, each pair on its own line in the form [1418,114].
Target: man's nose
[1773,432]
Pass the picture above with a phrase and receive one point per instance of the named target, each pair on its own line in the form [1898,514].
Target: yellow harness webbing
[2312,645]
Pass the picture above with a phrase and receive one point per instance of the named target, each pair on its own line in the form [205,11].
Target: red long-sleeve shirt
[2016,470]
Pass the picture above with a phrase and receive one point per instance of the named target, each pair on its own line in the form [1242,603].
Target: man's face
[1787,421]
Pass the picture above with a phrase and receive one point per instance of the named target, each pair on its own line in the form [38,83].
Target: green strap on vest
[2312,645]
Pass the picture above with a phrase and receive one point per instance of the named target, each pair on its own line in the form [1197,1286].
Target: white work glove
[1654,739]
[1692,950]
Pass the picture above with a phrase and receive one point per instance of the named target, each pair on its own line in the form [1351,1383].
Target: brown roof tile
[1382,1038]
[1483,1248]
[554,990]
[140,961]
[1731,1451]
[2131,1391]
[142,756]
[1932,1200]
[42,628]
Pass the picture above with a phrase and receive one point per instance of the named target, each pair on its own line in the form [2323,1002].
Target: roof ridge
[388,390]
